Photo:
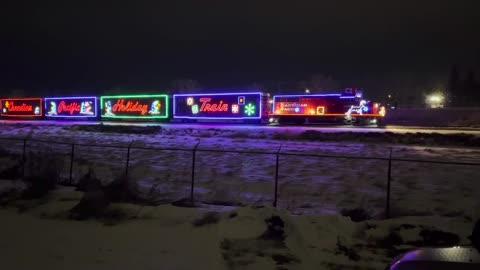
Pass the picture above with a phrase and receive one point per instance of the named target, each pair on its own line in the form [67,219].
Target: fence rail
[277,154]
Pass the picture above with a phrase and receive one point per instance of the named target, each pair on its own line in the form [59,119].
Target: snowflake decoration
[235,108]
[250,109]
[195,109]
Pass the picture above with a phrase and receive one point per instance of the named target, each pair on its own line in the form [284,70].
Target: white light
[435,98]
[307,91]
[271,120]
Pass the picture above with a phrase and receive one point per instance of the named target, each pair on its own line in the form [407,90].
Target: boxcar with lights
[134,107]
[349,108]
[246,107]
[71,108]
[21,107]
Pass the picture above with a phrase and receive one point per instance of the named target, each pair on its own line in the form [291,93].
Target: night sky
[234,44]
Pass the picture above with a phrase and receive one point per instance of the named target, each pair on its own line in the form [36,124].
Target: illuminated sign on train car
[21,107]
[324,105]
[134,106]
[71,107]
[218,106]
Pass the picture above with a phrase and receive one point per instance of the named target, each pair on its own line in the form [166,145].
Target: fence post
[24,158]
[389,179]
[128,158]
[72,155]
[275,194]
[192,187]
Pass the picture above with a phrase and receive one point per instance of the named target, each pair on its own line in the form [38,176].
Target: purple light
[348,97]
[218,94]
[80,99]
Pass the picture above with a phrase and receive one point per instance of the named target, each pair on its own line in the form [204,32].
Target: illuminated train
[238,107]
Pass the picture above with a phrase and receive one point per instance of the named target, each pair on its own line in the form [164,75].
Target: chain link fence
[298,182]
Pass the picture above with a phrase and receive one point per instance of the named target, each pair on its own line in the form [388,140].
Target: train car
[134,107]
[240,107]
[347,108]
[71,108]
[21,108]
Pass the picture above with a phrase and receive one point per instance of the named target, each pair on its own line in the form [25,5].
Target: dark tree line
[464,88]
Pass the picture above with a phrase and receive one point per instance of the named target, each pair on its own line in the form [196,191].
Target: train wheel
[300,121]
[380,122]
[360,122]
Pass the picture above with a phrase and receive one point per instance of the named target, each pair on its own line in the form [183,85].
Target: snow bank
[168,237]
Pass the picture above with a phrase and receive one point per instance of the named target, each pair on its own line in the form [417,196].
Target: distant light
[435,100]
[307,91]
[389,96]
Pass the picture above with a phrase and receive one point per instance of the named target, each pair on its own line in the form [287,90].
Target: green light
[250,109]
[195,109]
[164,97]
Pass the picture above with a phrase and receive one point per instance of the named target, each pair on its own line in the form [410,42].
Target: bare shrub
[123,189]
[206,219]
[475,237]
[12,172]
[44,172]
[94,200]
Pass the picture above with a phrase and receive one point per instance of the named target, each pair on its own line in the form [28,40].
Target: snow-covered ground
[306,184]
[168,237]
[442,196]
